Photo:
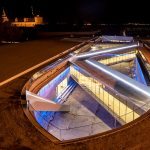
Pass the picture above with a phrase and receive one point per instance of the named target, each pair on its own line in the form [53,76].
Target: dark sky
[99,11]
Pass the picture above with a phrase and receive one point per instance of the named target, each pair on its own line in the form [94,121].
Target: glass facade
[61,86]
[104,46]
[118,58]
[100,92]
[55,86]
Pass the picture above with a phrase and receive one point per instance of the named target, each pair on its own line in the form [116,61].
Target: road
[16,131]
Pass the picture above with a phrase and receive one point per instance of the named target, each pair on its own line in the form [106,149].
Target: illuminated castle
[26,22]
[4,17]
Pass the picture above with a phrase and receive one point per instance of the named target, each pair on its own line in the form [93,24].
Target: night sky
[74,11]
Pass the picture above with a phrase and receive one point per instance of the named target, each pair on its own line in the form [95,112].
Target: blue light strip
[139,73]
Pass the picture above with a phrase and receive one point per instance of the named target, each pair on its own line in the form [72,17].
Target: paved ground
[86,117]
[15,58]
[16,131]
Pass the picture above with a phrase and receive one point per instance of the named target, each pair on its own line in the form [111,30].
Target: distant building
[28,22]
[4,17]
[25,22]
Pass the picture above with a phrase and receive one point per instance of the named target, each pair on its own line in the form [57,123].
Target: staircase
[65,93]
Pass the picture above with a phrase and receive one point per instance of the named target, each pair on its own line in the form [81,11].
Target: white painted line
[38,65]
[28,70]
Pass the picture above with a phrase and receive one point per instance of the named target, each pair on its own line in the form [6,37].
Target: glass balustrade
[101,93]
[118,58]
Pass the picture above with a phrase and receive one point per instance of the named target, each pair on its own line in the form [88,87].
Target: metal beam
[118,49]
[130,89]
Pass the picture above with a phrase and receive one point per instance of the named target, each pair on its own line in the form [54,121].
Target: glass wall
[118,109]
[50,89]
[61,86]
[118,58]
[104,46]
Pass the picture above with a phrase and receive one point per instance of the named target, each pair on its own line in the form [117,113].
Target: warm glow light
[108,50]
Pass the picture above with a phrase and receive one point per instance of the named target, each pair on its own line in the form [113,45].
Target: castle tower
[16,19]
[32,12]
[38,20]
[4,17]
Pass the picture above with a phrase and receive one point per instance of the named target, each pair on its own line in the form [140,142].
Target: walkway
[86,117]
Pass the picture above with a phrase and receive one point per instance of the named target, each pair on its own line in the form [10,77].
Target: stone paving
[86,117]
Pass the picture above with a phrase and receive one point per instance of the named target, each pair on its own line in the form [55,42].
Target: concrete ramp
[42,104]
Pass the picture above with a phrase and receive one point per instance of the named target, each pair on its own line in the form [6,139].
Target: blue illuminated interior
[139,76]
[42,115]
